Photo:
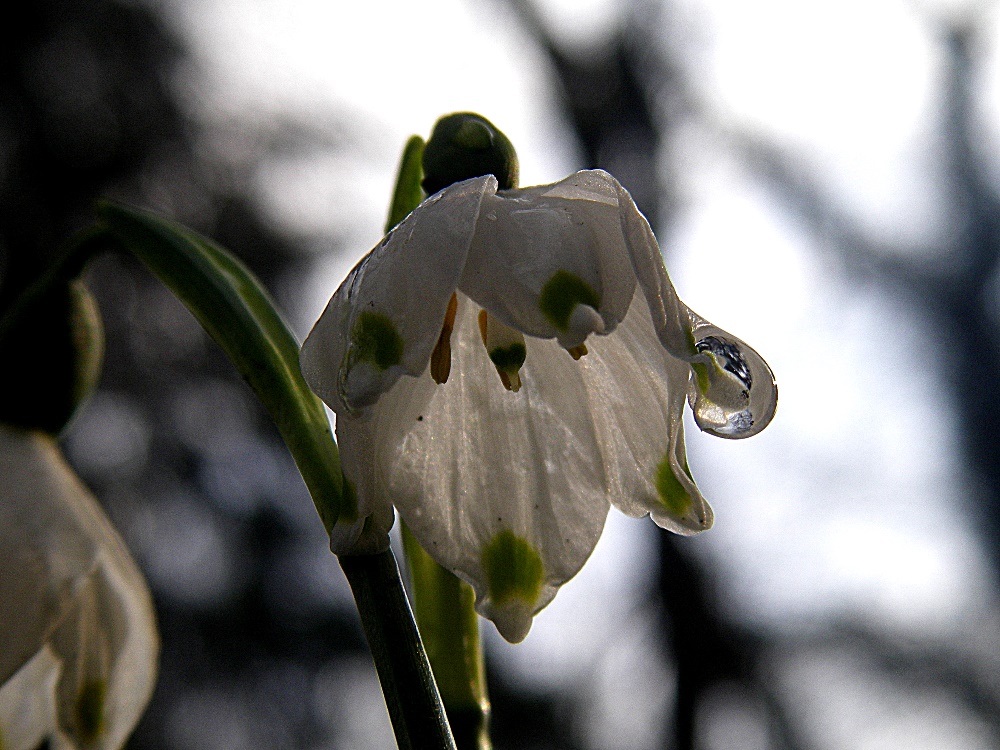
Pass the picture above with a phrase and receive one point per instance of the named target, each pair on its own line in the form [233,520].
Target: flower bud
[51,347]
[465,145]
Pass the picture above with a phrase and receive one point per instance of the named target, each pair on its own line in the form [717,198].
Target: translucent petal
[71,587]
[355,438]
[544,253]
[28,702]
[362,439]
[636,394]
[386,317]
[368,534]
[668,313]
[506,489]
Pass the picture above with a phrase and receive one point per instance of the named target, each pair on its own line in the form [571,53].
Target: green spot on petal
[673,495]
[509,358]
[701,376]
[376,341]
[561,294]
[90,710]
[689,337]
[513,569]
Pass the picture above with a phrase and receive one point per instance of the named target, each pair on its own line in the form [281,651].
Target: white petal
[28,713]
[668,313]
[636,394]
[541,253]
[361,440]
[375,516]
[733,394]
[70,586]
[385,318]
[487,478]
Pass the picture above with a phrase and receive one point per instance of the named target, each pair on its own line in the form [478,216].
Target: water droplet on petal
[729,356]
[720,388]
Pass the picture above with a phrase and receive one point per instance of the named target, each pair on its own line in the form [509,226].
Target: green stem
[443,606]
[411,696]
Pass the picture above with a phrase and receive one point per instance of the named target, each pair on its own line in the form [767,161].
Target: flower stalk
[238,313]
[445,613]
[418,718]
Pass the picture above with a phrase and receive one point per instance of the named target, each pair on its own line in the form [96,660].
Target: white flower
[506,365]
[79,642]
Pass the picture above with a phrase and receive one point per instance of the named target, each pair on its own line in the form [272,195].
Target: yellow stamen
[441,356]
[578,351]
[482,325]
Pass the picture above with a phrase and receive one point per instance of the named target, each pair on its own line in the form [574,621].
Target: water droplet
[729,356]
[737,424]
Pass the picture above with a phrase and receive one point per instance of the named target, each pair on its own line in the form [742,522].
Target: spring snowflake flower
[506,365]
[78,633]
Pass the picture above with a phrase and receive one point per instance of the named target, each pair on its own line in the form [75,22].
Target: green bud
[465,145]
[51,351]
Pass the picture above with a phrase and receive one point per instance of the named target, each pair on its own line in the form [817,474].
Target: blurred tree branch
[956,295]
[630,93]
[622,101]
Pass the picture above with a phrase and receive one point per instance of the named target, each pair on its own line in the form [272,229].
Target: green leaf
[408,193]
[238,313]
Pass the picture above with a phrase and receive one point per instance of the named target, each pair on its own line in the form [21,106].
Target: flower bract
[80,645]
[505,366]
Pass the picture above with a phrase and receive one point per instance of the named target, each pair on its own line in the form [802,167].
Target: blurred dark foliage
[87,110]
[85,105]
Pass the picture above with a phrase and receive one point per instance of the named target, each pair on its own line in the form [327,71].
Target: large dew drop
[732,391]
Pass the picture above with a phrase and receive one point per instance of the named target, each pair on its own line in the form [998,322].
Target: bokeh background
[823,177]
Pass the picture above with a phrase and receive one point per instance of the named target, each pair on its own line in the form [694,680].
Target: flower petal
[733,393]
[505,489]
[550,260]
[386,317]
[71,588]
[668,313]
[636,395]
[375,516]
[28,708]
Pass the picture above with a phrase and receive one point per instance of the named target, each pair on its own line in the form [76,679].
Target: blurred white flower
[516,428]
[78,632]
